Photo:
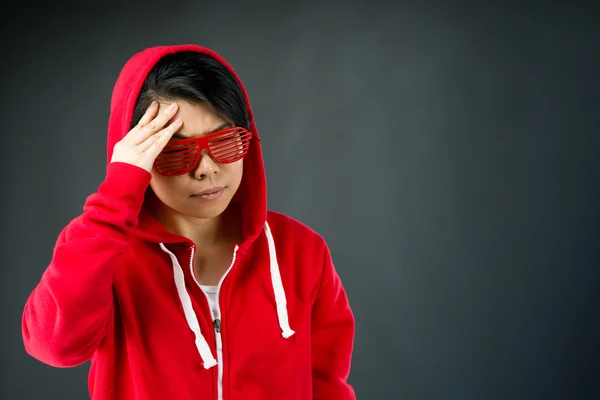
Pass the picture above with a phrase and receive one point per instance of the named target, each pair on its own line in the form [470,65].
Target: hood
[251,194]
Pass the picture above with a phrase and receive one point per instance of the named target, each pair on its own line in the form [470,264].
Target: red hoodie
[120,292]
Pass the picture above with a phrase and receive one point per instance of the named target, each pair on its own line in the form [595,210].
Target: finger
[162,136]
[162,118]
[133,135]
[155,124]
[159,144]
[149,114]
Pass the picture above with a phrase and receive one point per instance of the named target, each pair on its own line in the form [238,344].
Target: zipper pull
[217,323]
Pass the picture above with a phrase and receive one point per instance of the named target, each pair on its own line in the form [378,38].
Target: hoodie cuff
[126,183]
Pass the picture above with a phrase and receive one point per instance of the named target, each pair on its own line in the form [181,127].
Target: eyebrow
[178,135]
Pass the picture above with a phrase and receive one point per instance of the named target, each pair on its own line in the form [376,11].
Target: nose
[206,166]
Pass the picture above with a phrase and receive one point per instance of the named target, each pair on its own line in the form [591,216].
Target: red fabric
[109,295]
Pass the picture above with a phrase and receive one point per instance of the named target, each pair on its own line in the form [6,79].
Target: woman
[176,282]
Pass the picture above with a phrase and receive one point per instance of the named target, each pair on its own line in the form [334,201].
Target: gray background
[448,154]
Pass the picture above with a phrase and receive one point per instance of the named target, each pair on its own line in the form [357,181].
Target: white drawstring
[280,299]
[190,314]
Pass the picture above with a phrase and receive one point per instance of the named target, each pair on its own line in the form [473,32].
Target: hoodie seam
[322,277]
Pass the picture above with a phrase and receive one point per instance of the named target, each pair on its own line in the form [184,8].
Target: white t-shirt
[211,294]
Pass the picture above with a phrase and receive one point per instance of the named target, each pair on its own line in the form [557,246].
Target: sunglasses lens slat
[177,158]
[238,149]
[231,153]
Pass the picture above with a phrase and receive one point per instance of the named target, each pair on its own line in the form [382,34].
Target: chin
[205,211]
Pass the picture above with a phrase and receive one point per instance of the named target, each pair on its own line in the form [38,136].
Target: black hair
[194,77]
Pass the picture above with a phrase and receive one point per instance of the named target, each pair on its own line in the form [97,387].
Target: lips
[207,193]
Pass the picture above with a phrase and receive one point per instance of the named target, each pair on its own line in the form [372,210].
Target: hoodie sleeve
[65,316]
[332,337]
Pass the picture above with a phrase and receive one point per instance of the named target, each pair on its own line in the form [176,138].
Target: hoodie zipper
[216,318]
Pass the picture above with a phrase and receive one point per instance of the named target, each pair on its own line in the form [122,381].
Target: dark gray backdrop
[449,156]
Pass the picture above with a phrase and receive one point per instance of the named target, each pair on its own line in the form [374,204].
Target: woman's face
[181,193]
